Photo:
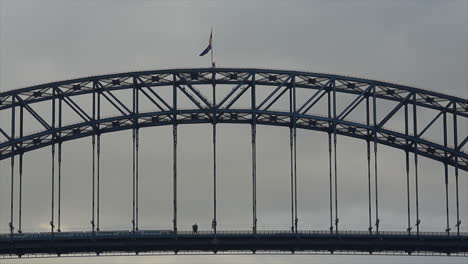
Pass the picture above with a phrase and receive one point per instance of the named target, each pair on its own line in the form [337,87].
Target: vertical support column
[291,157]
[174,169]
[93,143]
[59,168]
[20,205]
[254,156]
[174,151]
[455,144]
[415,133]
[98,162]
[330,160]
[374,106]
[53,165]
[137,154]
[369,189]
[447,228]
[296,219]
[135,150]
[335,158]
[214,222]
[133,166]
[254,178]
[294,146]
[12,164]
[408,198]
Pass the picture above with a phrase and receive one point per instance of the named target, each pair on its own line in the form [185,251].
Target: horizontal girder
[158,241]
[239,116]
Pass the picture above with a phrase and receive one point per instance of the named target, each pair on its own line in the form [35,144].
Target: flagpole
[212,55]
[212,62]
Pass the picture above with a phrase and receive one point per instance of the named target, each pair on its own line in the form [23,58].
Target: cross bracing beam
[394,110]
[73,105]
[154,93]
[459,147]
[316,97]
[233,100]
[112,99]
[278,88]
[34,114]
[433,120]
[239,86]
[355,102]
[198,94]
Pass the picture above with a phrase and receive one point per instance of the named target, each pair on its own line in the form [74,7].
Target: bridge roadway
[167,241]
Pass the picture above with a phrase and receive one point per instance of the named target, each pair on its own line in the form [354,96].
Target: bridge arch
[242,80]
[209,107]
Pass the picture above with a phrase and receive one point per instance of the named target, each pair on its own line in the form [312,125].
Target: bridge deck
[161,241]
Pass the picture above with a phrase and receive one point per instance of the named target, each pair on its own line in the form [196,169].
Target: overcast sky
[421,43]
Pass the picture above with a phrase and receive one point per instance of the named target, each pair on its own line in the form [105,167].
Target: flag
[204,52]
[209,48]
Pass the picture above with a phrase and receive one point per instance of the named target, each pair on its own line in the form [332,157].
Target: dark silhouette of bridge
[212,109]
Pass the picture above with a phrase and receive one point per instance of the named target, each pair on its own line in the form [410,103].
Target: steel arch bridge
[254,97]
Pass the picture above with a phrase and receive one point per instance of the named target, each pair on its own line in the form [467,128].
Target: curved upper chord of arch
[322,88]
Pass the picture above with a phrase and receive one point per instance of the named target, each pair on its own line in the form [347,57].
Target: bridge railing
[166,233]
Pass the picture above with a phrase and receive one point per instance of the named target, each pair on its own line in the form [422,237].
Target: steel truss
[262,111]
